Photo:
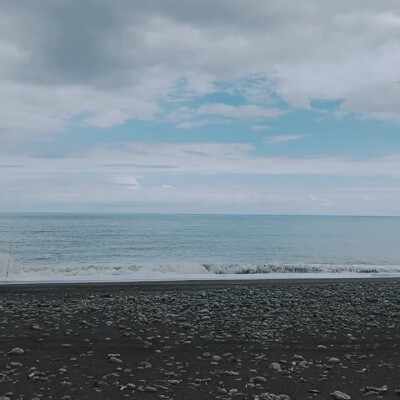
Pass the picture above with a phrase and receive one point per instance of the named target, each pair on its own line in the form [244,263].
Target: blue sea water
[60,247]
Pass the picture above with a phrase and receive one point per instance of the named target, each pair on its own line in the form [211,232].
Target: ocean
[134,247]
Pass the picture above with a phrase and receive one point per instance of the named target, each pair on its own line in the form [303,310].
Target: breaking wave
[192,270]
[283,268]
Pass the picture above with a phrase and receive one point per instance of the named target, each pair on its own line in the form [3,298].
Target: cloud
[282,139]
[239,112]
[130,181]
[193,177]
[192,124]
[139,166]
[242,198]
[194,159]
[197,123]
[259,127]
[221,113]
[137,109]
[70,65]
[110,62]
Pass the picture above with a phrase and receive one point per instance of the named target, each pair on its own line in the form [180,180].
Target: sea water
[126,247]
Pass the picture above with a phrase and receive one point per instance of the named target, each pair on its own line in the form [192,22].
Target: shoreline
[198,283]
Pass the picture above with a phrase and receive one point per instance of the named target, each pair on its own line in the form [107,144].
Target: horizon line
[198,214]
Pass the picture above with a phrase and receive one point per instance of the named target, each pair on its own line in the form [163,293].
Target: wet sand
[244,340]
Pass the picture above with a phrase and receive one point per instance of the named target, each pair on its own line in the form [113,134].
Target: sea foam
[193,271]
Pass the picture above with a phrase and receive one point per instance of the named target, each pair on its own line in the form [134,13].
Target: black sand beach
[240,340]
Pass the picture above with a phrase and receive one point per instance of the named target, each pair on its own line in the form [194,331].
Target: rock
[15,364]
[150,389]
[382,389]
[340,395]
[258,379]
[275,366]
[115,360]
[334,360]
[145,365]
[131,386]
[17,351]
[269,396]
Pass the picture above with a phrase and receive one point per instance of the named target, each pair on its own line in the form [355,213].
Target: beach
[182,340]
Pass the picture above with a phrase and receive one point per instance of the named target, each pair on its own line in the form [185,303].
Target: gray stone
[275,366]
[338,395]
[17,351]
[115,360]
[258,379]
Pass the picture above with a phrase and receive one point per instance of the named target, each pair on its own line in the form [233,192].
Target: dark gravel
[276,341]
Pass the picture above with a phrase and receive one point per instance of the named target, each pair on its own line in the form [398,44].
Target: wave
[302,268]
[192,270]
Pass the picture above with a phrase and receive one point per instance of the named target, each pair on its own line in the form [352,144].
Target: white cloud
[191,124]
[107,119]
[116,61]
[136,109]
[31,110]
[242,198]
[259,127]
[93,179]
[201,122]
[239,112]
[220,113]
[140,158]
[130,181]
[70,64]
[282,139]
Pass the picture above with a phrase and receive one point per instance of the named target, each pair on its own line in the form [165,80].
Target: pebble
[275,366]
[258,379]
[17,351]
[131,386]
[338,395]
[150,389]
[115,360]
[168,347]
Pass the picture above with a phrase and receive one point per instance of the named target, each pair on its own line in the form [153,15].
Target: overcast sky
[228,106]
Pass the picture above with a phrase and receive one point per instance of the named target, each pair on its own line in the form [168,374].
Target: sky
[200,106]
